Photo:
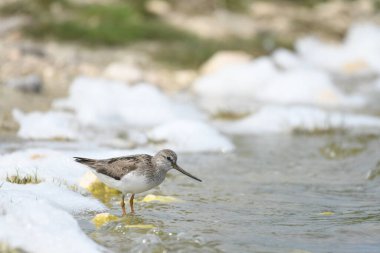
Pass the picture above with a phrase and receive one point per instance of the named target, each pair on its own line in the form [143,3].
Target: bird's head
[167,159]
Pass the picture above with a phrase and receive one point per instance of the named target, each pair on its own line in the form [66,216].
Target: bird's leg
[122,203]
[131,203]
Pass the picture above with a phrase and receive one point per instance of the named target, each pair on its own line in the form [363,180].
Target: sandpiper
[134,174]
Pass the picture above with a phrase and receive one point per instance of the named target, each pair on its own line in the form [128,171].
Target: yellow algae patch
[103,218]
[99,190]
[162,199]
[327,213]
[142,226]
[87,180]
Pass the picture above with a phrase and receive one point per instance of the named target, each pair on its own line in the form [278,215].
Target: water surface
[276,193]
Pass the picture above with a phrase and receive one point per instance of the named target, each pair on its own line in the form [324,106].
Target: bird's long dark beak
[185,172]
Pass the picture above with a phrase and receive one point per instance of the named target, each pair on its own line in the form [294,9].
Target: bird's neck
[160,175]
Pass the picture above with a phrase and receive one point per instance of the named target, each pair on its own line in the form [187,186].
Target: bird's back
[118,167]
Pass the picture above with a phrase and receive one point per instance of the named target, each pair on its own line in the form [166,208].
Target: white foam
[234,88]
[306,86]
[276,119]
[242,80]
[49,125]
[190,136]
[106,104]
[56,194]
[376,84]
[286,59]
[35,226]
[240,88]
[47,164]
[363,40]
[358,54]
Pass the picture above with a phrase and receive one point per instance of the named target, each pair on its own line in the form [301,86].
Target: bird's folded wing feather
[116,167]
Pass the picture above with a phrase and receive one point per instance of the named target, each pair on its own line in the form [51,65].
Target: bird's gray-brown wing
[116,167]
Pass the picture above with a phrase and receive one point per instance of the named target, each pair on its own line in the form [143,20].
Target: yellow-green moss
[26,179]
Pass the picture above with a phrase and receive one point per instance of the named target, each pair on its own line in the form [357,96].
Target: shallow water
[276,193]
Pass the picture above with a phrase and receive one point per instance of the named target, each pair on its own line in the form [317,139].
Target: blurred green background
[149,24]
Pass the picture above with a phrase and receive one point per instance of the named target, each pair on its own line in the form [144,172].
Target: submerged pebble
[162,199]
[327,213]
[103,218]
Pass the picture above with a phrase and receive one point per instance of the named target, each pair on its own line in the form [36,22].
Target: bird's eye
[168,157]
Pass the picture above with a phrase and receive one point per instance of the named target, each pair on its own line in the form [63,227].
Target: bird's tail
[86,161]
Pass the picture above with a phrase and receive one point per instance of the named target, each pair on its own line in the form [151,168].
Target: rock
[158,7]
[30,83]
[223,59]
[184,78]
[262,9]
[88,180]
[125,72]
[98,189]
[332,9]
[11,24]
[34,50]
[327,213]
[103,218]
[219,24]
[162,199]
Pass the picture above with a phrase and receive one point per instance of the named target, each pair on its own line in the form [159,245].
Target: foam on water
[284,79]
[305,86]
[49,125]
[276,119]
[243,80]
[56,194]
[103,103]
[190,136]
[34,225]
[358,54]
[286,59]
[101,109]
[305,76]
[47,164]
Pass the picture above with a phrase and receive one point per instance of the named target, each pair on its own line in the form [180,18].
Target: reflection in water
[375,172]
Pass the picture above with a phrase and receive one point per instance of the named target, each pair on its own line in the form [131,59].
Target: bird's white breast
[135,183]
[130,183]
